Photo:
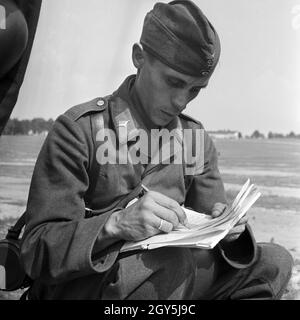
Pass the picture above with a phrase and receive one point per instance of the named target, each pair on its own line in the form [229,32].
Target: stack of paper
[202,231]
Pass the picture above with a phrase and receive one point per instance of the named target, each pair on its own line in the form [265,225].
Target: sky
[82,50]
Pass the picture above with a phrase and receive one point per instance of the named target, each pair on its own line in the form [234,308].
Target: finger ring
[161,224]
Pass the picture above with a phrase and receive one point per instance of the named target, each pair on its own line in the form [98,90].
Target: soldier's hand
[237,230]
[152,214]
[239,227]
[218,209]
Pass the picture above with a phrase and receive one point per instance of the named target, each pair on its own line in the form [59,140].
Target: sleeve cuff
[242,252]
[102,261]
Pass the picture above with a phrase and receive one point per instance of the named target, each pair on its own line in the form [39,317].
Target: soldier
[78,215]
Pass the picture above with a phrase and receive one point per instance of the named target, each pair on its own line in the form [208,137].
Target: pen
[147,190]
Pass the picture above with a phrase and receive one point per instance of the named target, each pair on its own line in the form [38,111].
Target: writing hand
[151,214]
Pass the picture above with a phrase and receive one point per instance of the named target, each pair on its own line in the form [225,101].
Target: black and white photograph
[150,150]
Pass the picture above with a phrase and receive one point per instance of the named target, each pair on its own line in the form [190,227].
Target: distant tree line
[40,125]
[273,135]
[27,127]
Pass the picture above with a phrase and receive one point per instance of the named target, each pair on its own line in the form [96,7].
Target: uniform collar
[121,112]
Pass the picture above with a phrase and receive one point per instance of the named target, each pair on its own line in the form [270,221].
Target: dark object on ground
[12,274]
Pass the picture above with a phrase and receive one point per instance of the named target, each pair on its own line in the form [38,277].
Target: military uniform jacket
[60,233]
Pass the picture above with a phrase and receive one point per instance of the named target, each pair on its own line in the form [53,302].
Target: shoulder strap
[15,231]
[97,124]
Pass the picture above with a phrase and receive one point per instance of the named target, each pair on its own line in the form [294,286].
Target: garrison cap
[180,36]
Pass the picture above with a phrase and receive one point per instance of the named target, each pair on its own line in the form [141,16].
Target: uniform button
[204,73]
[100,103]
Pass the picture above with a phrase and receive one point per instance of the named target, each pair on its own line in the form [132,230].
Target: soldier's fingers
[163,225]
[169,203]
[243,220]
[238,229]
[166,214]
[218,209]
[234,233]
[232,237]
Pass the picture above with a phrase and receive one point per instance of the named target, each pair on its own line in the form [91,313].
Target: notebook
[202,231]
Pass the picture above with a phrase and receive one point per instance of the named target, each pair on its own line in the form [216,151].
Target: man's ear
[138,58]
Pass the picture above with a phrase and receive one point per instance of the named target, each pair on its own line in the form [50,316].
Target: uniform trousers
[178,274]
[196,274]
